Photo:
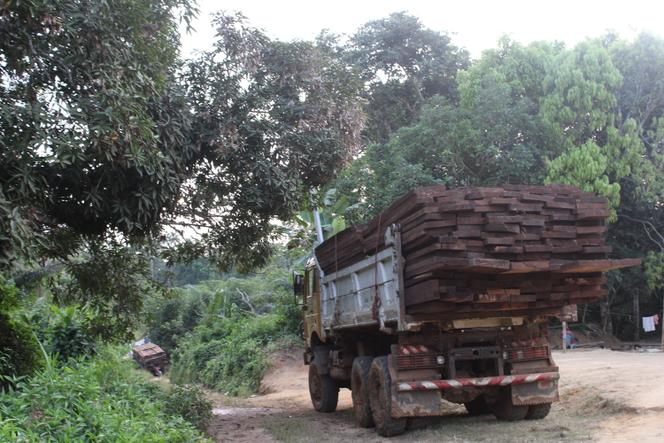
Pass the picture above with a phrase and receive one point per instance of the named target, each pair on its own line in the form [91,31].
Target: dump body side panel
[363,294]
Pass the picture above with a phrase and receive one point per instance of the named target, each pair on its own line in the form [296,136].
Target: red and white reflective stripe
[413,349]
[503,380]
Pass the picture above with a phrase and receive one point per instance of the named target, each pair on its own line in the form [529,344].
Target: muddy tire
[323,390]
[478,406]
[538,412]
[380,398]
[505,410]
[359,386]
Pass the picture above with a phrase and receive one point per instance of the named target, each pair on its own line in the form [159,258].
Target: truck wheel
[323,390]
[505,410]
[380,398]
[477,406]
[359,386]
[538,412]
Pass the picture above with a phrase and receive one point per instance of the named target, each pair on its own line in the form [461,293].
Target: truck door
[311,304]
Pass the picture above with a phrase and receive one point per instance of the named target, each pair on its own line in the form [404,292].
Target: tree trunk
[607,325]
[583,316]
[637,317]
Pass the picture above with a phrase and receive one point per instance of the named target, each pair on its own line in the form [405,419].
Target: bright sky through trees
[476,25]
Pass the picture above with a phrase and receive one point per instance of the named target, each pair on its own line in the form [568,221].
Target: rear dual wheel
[478,406]
[505,409]
[359,386]
[538,412]
[380,399]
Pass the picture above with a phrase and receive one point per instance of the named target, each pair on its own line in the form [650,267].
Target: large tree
[272,122]
[403,63]
[493,134]
[92,124]
[105,132]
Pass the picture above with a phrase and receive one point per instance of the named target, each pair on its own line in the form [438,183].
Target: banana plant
[331,209]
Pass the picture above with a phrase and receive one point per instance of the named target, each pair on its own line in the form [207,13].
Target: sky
[474,25]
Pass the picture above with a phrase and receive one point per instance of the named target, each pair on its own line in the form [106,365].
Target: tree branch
[647,225]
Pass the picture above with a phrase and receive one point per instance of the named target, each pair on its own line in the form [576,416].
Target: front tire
[323,390]
[380,396]
[359,385]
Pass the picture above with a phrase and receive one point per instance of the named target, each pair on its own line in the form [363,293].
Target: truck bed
[468,253]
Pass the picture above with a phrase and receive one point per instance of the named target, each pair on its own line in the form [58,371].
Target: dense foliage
[191,403]
[100,400]
[114,150]
[231,354]
[91,120]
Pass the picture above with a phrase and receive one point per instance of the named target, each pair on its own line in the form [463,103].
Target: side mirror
[298,284]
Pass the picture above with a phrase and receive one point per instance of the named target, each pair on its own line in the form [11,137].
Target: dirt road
[629,384]
[606,396]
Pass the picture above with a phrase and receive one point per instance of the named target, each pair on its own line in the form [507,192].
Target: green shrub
[219,331]
[19,350]
[238,369]
[171,318]
[189,402]
[101,399]
[230,354]
[68,334]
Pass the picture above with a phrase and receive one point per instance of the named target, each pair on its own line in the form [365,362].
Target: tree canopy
[403,64]
[105,131]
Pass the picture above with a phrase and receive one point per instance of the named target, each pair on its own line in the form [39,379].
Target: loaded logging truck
[405,329]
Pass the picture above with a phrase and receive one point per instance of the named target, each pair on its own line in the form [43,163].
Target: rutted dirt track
[605,396]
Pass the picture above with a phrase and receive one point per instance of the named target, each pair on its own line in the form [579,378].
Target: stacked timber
[482,250]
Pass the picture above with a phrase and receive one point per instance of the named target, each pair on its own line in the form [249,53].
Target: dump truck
[440,301]
[150,357]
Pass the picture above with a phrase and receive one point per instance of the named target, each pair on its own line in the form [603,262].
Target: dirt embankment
[605,396]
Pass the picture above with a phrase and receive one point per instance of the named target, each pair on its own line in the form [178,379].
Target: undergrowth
[100,399]
[230,354]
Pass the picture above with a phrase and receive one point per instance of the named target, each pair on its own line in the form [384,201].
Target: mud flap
[545,391]
[416,404]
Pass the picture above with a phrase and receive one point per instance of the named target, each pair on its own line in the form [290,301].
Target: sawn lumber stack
[483,251]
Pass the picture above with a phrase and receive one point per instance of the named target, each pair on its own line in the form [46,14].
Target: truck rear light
[524,354]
